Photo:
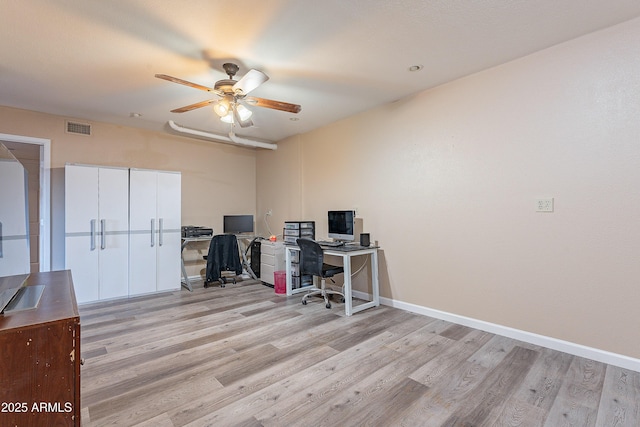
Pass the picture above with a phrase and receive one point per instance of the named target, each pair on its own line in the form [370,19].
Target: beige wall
[446,182]
[217,179]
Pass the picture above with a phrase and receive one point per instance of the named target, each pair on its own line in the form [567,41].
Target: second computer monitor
[342,225]
[237,224]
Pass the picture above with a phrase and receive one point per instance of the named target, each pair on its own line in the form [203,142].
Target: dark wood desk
[40,357]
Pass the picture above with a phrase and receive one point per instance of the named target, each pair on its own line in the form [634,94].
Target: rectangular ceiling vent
[78,128]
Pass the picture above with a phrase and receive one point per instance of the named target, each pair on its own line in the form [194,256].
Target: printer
[196,231]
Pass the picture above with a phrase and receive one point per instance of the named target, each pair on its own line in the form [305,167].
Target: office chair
[312,262]
[223,256]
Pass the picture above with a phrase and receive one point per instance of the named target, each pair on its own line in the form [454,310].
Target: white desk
[185,241]
[346,256]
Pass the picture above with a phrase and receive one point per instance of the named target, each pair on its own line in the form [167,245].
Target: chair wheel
[328,305]
[304,302]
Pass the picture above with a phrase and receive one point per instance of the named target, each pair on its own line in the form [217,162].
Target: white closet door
[113,200]
[169,237]
[81,229]
[143,237]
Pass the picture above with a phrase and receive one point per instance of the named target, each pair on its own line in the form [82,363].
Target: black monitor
[238,224]
[342,225]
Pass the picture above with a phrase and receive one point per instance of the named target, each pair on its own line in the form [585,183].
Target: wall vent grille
[78,128]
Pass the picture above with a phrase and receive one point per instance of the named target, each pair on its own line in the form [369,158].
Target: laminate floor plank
[578,399]
[494,389]
[214,327]
[620,401]
[245,356]
[255,386]
[336,402]
[312,382]
[451,390]
[456,353]
[542,384]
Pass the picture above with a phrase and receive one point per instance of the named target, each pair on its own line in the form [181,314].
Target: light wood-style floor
[245,356]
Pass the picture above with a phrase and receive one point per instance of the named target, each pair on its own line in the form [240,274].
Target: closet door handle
[93,234]
[153,232]
[161,229]
[103,226]
[0,239]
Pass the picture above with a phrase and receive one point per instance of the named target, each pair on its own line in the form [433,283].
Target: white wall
[447,181]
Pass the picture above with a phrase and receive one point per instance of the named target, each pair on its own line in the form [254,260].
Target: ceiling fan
[232,94]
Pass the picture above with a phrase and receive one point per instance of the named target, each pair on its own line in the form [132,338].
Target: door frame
[44,254]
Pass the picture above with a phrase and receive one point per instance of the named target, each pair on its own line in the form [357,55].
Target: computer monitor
[342,225]
[238,224]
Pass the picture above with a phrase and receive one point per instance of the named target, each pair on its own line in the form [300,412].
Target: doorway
[35,156]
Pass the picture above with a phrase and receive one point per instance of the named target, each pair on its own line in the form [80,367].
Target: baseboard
[529,337]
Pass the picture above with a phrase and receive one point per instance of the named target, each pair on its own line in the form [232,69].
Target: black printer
[196,231]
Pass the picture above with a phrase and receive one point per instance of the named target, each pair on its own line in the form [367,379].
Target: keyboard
[330,243]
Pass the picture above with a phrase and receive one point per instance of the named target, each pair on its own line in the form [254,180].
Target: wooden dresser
[40,357]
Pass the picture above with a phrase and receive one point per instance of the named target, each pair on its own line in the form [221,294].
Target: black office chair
[223,256]
[312,262]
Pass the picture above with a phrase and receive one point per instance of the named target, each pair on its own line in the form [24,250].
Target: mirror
[14,216]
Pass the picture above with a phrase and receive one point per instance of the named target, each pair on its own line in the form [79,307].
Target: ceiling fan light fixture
[243,112]
[222,107]
[228,118]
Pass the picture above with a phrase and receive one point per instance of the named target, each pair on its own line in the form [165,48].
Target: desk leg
[375,286]
[287,259]
[186,283]
[348,301]
[375,283]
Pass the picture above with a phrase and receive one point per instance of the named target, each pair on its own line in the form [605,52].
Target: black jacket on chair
[223,256]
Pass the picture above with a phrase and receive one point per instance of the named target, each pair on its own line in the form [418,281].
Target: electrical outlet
[544,205]
[269,212]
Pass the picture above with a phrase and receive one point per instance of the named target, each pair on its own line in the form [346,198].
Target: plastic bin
[280,282]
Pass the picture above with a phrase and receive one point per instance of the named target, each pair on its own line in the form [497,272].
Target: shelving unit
[292,231]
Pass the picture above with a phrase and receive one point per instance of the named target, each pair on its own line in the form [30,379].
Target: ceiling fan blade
[276,105]
[194,106]
[184,82]
[250,81]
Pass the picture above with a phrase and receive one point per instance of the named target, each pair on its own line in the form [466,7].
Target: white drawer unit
[271,260]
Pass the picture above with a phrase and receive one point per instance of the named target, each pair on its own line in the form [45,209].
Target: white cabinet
[272,258]
[14,239]
[96,231]
[122,233]
[154,227]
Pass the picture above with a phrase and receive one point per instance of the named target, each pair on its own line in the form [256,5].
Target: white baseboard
[529,337]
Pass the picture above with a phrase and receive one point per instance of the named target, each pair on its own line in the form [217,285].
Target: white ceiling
[96,59]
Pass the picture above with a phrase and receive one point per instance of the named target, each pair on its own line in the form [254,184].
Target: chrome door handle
[103,230]
[93,234]
[153,232]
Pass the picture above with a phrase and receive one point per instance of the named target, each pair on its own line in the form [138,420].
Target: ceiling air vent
[78,128]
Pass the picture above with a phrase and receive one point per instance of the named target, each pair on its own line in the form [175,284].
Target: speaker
[364,239]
